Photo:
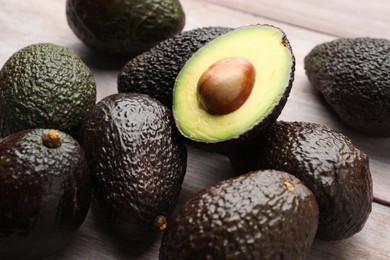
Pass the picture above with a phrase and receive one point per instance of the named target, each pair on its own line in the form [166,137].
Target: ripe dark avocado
[45,192]
[137,162]
[260,215]
[234,87]
[326,162]
[154,72]
[353,75]
[45,86]
[124,27]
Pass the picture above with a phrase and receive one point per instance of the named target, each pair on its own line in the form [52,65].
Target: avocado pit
[226,85]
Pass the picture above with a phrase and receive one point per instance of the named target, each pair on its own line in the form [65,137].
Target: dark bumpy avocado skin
[154,72]
[137,160]
[45,194]
[126,27]
[326,162]
[45,86]
[353,75]
[253,216]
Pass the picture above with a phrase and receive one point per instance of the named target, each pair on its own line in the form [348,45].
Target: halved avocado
[234,87]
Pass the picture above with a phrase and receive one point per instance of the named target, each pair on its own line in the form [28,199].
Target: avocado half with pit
[234,87]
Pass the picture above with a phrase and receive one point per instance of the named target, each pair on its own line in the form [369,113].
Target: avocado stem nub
[289,185]
[52,138]
[160,223]
[226,85]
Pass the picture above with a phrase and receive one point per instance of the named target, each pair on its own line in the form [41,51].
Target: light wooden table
[306,24]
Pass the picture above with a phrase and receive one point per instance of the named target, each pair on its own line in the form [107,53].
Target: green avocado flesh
[267,49]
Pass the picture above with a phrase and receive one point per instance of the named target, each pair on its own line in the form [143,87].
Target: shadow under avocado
[98,60]
[123,245]
[105,241]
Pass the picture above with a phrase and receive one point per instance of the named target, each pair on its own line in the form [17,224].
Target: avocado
[234,87]
[45,86]
[154,72]
[124,27]
[353,75]
[327,162]
[137,161]
[259,215]
[45,192]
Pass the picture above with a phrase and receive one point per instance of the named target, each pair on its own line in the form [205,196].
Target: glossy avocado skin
[253,216]
[124,27]
[137,161]
[45,194]
[353,75]
[45,86]
[326,162]
[154,72]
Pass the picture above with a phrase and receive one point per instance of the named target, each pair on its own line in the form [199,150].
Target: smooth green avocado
[154,72]
[234,87]
[327,162]
[45,192]
[353,75]
[124,27]
[45,85]
[259,215]
[137,161]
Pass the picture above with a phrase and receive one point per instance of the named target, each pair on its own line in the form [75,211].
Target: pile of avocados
[215,88]
[211,110]
[226,88]
[46,92]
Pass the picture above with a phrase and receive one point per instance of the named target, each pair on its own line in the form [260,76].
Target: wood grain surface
[306,24]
